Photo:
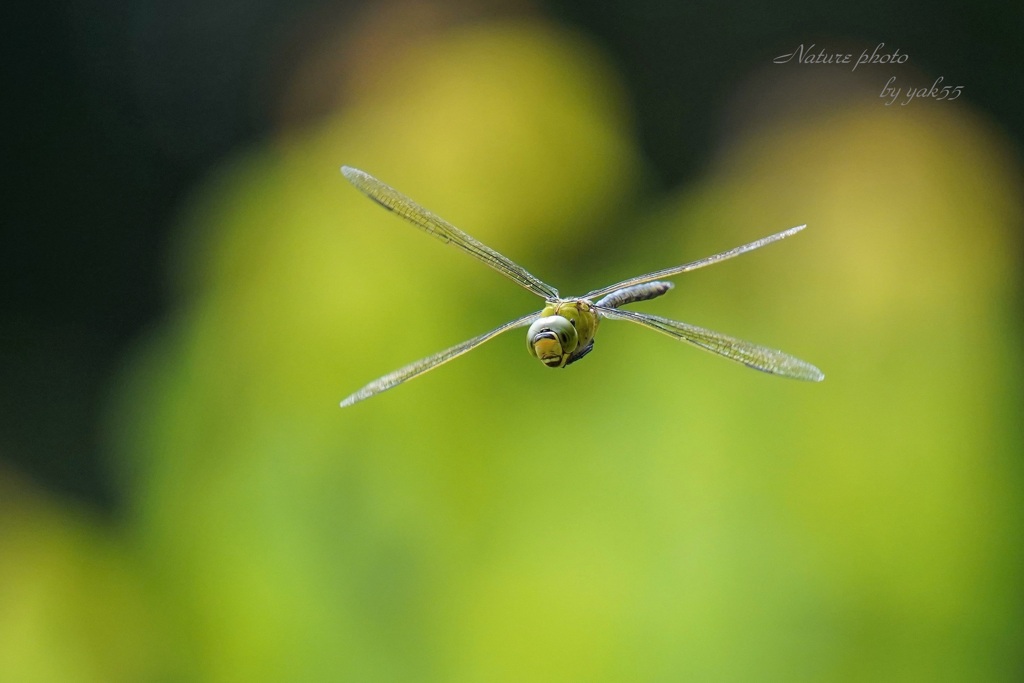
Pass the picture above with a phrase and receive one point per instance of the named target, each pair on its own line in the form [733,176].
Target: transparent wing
[423,365]
[686,267]
[393,200]
[751,355]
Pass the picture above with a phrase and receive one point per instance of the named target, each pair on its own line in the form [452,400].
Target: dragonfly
[563,331]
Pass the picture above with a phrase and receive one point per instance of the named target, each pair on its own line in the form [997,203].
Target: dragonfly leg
[579,353]
[630,295]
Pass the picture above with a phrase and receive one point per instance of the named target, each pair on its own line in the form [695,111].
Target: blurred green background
[192,287]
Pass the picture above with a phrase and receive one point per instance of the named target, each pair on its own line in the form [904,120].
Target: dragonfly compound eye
[552,340]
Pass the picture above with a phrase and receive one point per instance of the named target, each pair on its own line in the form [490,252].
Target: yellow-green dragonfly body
[563,331]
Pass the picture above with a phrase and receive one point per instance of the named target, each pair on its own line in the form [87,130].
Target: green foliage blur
[652,513]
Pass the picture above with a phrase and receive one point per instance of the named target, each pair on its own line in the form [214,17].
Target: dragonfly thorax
[563,333]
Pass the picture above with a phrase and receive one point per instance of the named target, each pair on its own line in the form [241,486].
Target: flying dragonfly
[563,331]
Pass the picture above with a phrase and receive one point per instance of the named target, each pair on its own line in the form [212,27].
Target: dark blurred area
[108,129]
[110,123]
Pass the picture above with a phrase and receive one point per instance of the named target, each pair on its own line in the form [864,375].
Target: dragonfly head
[552,339]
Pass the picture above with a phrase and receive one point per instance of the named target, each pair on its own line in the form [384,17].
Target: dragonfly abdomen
[630,295]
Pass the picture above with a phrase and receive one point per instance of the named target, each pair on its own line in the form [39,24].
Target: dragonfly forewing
[694,265]
[395,201]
